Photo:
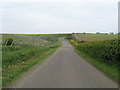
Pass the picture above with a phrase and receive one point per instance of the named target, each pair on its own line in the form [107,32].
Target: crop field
[95,37]
[17,57]
[36,40]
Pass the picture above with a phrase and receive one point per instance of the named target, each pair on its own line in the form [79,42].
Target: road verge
[110,71]
[15,71]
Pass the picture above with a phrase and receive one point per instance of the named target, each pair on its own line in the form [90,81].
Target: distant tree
[73,33]
[105,33]
[111,33]
[98,33]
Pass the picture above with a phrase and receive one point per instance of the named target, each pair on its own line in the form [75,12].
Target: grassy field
[103,53]
[95,37]
[26,51]
[36,40]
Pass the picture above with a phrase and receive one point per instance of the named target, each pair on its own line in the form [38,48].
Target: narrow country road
[64,69]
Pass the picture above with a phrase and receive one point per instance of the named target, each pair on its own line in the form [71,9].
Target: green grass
[25,34]
[14,54]
[0,70]
[100,35]
[30,34]
[96,37]
[14,71]
[110,71]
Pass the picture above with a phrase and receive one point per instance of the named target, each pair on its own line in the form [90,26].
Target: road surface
[64,69]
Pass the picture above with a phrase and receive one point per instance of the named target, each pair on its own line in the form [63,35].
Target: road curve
[64,69]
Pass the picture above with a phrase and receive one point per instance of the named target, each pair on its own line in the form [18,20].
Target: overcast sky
[59,16]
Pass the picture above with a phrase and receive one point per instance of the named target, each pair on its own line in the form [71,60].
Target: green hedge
[105,51]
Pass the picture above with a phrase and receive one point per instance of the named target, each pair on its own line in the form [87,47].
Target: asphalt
[64,69]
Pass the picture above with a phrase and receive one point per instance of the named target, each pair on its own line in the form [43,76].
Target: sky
[58,16]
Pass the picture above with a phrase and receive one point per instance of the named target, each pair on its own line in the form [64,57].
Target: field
[95,37]
[103,51]
[24,52]
[36,40]
[20,52]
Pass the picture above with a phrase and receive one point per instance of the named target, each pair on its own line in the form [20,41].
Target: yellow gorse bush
[74,42]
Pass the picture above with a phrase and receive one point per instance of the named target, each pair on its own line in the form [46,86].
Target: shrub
[104,51]
[9,41]
[82,41]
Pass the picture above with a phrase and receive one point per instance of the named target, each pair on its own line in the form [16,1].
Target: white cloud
[59,17]
[40,17]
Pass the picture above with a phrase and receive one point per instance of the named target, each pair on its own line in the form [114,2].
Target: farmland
[36,40]
[95,37]
[102,51]
[24,52]
[20,52]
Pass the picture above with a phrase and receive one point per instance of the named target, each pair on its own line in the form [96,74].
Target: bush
[9,41]
[82,41]
[105,51]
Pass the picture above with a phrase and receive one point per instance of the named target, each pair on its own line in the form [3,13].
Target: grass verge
[110,71]
[13,72]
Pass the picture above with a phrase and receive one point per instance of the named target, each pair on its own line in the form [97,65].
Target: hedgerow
[105,51]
